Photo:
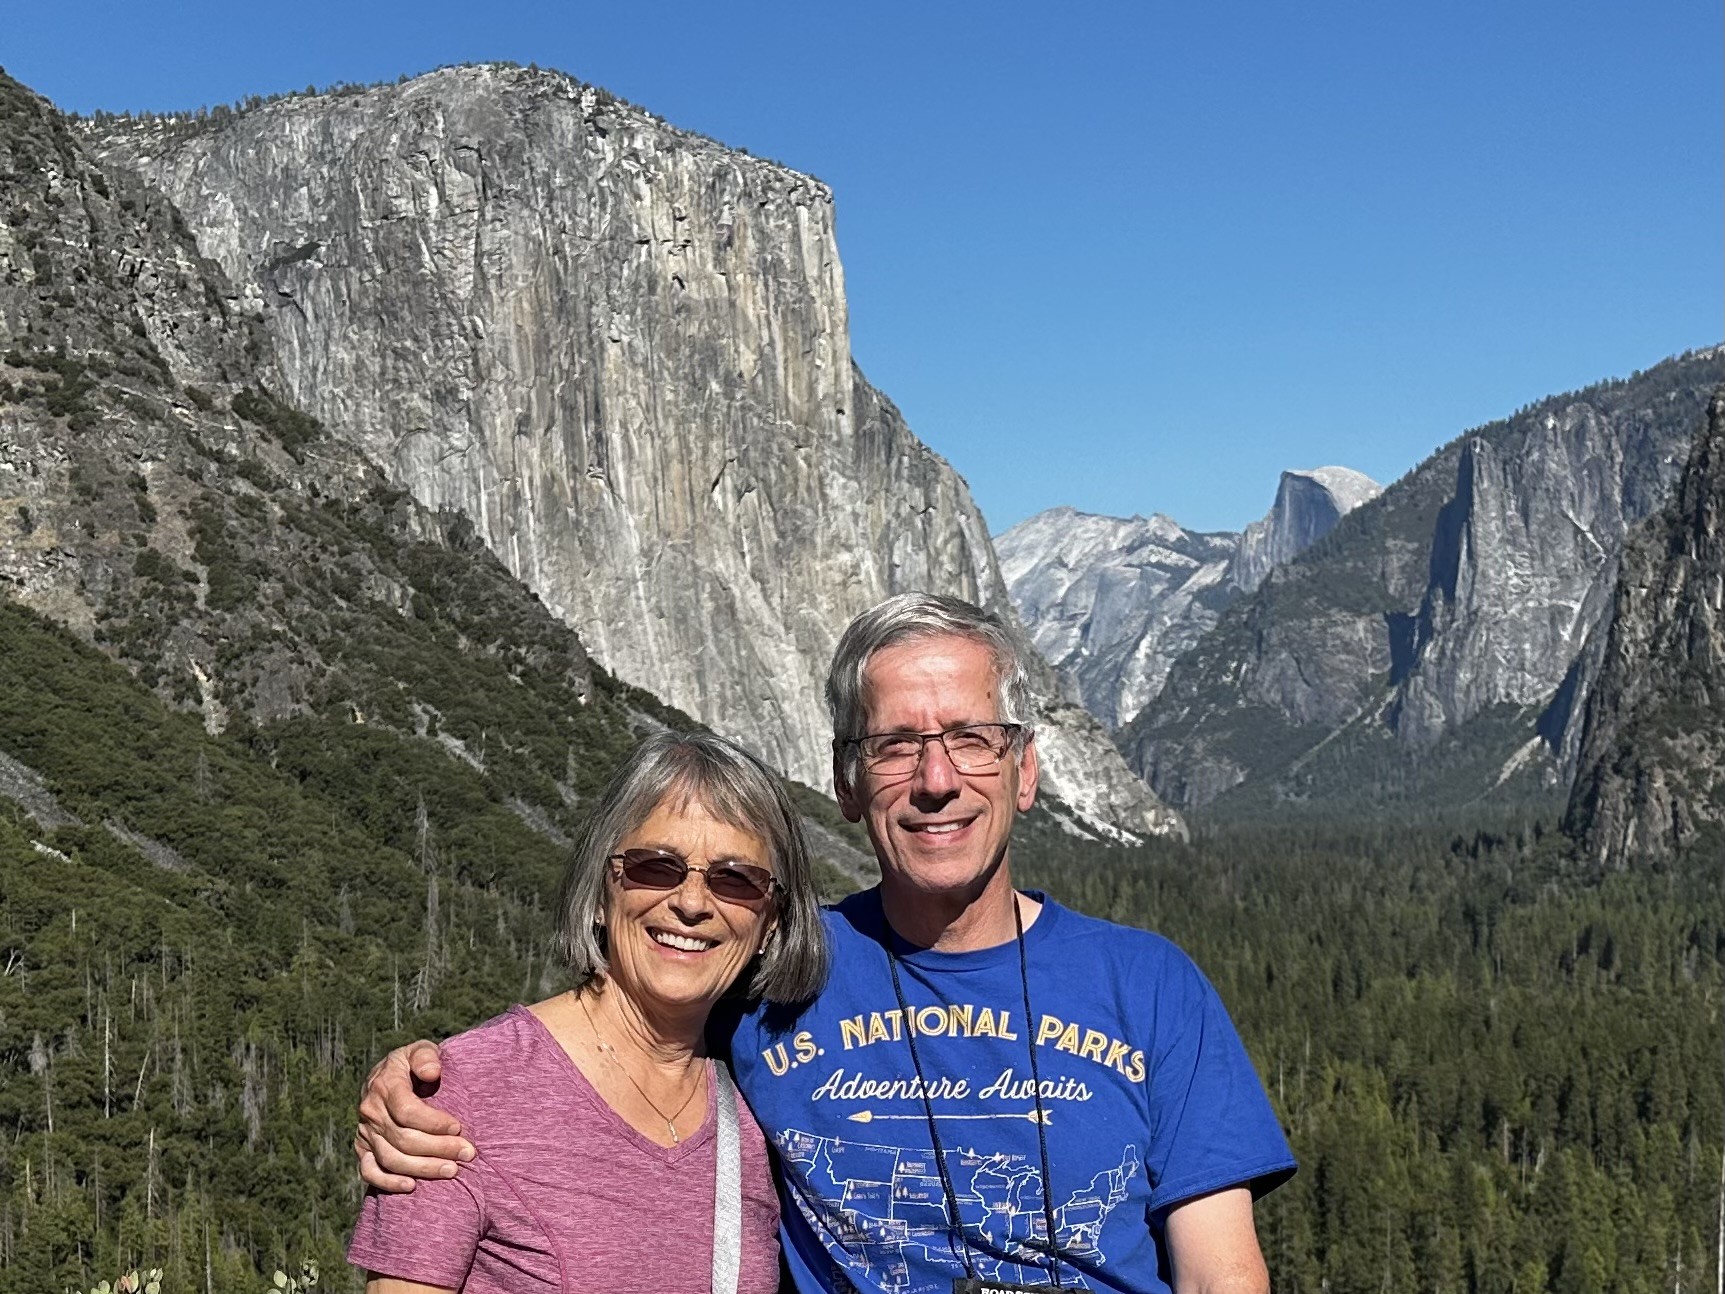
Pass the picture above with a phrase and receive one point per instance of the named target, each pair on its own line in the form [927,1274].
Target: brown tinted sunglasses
[655,869]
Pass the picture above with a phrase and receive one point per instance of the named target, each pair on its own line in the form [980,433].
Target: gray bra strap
[727,1189]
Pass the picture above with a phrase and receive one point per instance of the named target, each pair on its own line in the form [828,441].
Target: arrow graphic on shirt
[1031,1116]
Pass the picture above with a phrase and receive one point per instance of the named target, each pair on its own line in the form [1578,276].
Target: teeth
[940,828]
[682,943]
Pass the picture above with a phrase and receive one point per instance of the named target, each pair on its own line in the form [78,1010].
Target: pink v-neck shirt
[563,1195]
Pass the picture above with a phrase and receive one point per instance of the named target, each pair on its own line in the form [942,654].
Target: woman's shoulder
[506,1047]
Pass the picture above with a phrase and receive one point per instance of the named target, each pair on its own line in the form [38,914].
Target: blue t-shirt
[1147,1099]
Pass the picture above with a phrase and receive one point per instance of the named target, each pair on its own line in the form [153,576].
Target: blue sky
[1128,257]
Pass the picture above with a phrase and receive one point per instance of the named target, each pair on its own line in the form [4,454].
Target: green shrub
[292,429]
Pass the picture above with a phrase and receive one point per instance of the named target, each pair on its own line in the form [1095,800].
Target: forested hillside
[201,957]
[1499,1072]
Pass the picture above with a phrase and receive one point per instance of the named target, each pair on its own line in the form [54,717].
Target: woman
[605,1155]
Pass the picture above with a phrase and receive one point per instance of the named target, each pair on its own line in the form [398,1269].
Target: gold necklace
[609,1052]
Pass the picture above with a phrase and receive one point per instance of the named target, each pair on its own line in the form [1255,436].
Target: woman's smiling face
[680,949]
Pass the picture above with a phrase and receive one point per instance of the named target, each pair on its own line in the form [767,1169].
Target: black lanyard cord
[1053,1237]
[949,1196]
[956,1223]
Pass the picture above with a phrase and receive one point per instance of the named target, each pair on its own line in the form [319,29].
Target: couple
[989,1092]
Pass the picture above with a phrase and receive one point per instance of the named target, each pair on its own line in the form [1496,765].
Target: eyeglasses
[972,747]
[655,869]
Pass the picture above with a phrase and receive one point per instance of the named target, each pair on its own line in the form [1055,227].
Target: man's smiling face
[937,831]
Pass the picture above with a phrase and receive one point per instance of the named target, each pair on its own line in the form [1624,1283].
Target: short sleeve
[431,1234]
[1211,1124]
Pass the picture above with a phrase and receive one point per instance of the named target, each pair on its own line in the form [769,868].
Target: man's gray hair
[677,770]
[917,617]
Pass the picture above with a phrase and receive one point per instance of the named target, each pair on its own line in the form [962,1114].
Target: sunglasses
[654,869]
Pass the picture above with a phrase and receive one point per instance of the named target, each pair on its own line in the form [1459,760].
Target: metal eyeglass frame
[1008,731]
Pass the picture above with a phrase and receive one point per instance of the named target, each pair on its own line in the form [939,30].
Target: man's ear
[1029,774]
[846,795]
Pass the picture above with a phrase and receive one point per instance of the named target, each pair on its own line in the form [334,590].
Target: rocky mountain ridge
[623,352]
[1432,649]
[241,561]
[1115,601]
[1652,755]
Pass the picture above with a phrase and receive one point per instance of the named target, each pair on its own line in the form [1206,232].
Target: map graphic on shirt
[888,1206]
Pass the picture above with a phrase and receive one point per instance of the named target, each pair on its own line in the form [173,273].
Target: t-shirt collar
[874,924]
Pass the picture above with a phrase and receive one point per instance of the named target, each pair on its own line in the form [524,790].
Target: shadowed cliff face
[623,352]
[1652,765]
[1522,564]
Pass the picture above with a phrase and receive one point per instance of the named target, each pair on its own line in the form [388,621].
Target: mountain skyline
[622,351]
[1316,249]
[1434,647]
[612,344]
[1115,601]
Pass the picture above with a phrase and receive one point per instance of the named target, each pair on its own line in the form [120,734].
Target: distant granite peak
[1308,505]
[1115,601]
[1348,487]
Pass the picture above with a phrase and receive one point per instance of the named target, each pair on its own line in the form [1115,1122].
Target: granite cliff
[620,349]
[156,499]
[1652,755]
[1307,507]
[1115,602]
[1434,647]
[160,499]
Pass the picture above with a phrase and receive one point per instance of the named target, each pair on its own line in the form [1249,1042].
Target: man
[992,1091]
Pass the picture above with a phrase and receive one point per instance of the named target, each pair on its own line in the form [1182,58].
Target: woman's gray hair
[915,617]
[679,769]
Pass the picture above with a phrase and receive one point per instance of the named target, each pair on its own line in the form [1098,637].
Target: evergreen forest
[1500,1072]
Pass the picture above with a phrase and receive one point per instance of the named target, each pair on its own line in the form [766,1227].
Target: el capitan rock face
[241,561]
[1115,602]
[622,350]
[1652,758]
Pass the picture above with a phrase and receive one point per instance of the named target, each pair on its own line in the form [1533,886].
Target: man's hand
[400,1137]
[1213,1246]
